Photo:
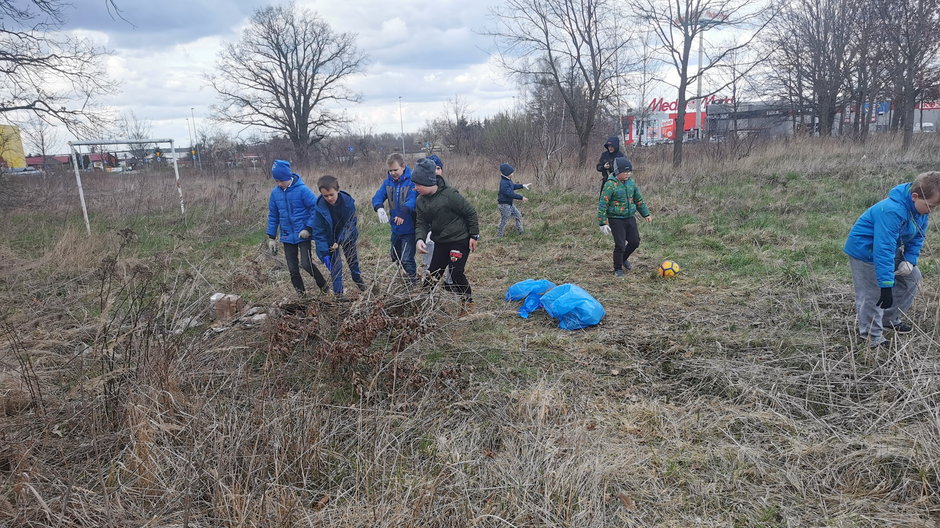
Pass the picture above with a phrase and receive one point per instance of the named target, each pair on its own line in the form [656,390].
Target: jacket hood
[902,195]
[613,141]
[298,181]
[405,175]
[346,202]
[441,184]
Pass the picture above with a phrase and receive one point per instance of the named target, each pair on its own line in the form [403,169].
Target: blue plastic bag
[531,290]
[572,306]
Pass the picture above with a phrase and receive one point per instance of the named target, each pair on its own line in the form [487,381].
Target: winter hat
[613,141]
[506,169]
[423,173]
[622,165]
[281,170]
[437,161]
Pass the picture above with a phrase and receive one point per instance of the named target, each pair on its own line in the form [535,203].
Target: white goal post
[75,145]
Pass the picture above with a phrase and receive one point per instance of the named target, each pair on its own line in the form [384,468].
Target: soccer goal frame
[75,146]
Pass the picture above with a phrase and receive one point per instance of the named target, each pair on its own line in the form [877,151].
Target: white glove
[605,230]
[905,268]
[421,246]
[304,234]
[272,246]
[526,186]
[383,216]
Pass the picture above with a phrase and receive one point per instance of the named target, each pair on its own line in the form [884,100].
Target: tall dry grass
[116,412]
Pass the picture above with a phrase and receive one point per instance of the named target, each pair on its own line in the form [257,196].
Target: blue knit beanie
[506,169]
[437,161]
[281,171]
[423,173]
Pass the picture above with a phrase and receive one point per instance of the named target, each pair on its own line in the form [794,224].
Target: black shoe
[361,286]
[627,265]
[901,327]
[618,273]
[325,288]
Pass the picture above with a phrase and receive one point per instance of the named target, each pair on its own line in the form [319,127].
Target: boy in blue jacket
[398,192]
[883,247]
[507,194]
[290,209]
[335,231]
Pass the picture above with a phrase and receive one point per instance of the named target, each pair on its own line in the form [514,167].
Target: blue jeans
[352,260]
[403,252]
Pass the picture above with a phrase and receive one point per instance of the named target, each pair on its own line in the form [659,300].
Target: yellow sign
[11,147]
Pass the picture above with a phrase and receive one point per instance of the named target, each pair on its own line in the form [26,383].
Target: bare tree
[129,126]
[912,28]
[679,23]
[41,137]
[815,54]
[572,44]
[285,73]
[45,71]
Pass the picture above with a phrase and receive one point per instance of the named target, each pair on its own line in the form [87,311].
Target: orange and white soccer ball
[668,269]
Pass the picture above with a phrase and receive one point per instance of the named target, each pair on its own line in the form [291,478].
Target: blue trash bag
[572,306]
[531,290]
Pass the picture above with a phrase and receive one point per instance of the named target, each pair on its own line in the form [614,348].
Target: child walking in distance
[290,210]
[335,231]
[507,194]
[605,165]
[883,247]
[452,222]
[616,212]
[398,192]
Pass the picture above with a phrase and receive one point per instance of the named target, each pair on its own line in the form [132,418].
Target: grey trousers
[871,319]
[506,211]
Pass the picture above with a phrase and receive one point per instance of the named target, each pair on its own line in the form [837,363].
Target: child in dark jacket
[605,165]
[616,212]
[335,231]
[452,222]
[883,248]
[507,194]
[290,209]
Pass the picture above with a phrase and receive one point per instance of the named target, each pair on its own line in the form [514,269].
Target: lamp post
[192,112]
[401,121]
[709,20]
[191,144]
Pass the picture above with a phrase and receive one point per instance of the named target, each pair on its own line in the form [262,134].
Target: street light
[401,121]
[191,144]
[711,19]
[192,112]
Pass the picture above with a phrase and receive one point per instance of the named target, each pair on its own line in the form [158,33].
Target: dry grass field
[735,395]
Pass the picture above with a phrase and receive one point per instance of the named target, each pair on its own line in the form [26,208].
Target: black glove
[886,299]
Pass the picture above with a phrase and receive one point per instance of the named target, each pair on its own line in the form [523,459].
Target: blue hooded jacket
[401,196]
[325,233]
[291,209]
[507,191]
[888,226]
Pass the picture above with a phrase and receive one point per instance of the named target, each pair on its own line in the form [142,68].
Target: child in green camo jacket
[619,202]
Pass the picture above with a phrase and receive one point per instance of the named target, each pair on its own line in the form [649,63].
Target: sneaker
[627,265]
[618,273]
[901,327]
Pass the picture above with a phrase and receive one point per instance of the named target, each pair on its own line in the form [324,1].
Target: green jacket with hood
[620,200]
[446,214]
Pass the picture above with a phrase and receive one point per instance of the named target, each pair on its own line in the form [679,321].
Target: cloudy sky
[424,52]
